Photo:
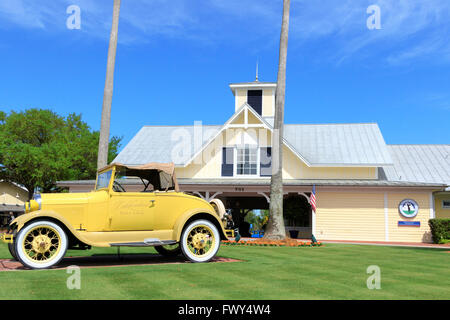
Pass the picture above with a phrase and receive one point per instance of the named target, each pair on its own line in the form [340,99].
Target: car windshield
[128,180]
[103,180]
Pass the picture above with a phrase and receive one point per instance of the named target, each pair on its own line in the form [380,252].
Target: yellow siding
[440,211]
[359,215]
[350,216]
[267,103]
[241,98]
[409,234]
[293,167]
[9,192]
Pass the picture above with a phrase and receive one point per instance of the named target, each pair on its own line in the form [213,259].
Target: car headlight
[35,204]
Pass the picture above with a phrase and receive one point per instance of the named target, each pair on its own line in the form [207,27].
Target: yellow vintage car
[118,213]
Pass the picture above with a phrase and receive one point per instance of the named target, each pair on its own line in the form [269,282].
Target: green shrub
[440,230]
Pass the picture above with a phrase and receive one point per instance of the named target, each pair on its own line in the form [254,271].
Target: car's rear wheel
[200,241]
[41,244]
[171,250]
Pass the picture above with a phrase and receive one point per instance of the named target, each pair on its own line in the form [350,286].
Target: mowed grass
[334,271]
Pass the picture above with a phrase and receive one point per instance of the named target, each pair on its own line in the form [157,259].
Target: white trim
[304,194]
[313,222]
[246,118]
[442,204]
[246,126]
[432,213]
[207,196]
[270,128]
[246,176]
[214,196]
[265,196]
[273,102]
[386,217]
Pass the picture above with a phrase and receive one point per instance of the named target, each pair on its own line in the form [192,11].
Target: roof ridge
[183,125]
[330,124]
[419,144]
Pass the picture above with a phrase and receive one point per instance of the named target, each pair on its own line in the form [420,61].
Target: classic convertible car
[118,213]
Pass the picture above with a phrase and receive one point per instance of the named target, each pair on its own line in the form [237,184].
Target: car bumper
[6,237]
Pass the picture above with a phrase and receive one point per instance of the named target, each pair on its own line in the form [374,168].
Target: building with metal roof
[365,189]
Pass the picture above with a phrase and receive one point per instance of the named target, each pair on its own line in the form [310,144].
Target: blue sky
[176,58]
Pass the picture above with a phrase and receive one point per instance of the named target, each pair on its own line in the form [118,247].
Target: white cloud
[411,29]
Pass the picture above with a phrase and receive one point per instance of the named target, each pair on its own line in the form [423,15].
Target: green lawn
[334,271]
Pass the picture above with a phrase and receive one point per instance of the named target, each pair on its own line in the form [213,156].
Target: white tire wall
[23,257]
[187,253]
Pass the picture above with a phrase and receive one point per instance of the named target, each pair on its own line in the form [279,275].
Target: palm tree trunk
[103,143]
[275,227]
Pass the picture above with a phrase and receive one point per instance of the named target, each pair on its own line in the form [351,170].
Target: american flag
[313,198]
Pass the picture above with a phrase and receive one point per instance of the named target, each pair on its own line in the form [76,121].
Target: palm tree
[103,143]
[275,227]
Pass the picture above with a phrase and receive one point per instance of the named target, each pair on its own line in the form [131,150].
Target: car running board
[146,243]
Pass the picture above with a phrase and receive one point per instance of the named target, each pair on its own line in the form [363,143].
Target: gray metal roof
[319,144]
[156,144]
[287,182]
[420,163]
[310,182]
[339,144]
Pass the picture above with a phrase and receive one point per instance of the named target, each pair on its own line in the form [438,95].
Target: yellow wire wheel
[200,241]
[41,244]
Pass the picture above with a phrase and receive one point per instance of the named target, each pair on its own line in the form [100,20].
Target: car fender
[21,220]
[181,222]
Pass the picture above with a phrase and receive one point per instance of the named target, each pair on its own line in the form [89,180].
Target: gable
[326,145]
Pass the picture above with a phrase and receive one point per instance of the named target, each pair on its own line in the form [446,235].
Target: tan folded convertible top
[168,168]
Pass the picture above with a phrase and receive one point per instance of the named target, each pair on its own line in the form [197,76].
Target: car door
[170,205]
[132,211]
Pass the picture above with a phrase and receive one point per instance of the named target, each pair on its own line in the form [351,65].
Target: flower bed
[273,243]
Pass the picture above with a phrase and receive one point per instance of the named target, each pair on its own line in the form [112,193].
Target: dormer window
[254,99]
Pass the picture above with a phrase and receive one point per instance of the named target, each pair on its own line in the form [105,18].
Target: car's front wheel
[40,244]
[200,241]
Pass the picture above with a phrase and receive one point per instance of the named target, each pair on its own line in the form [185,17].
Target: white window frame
[445,206]
[257,163]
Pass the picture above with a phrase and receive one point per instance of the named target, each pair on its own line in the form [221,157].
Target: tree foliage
[39,147]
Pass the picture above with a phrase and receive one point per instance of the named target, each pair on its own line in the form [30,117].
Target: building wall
[361,215]
[350,216]
[267,101]
[208,164]
[409,234]
[441,212]
[240,98]
[268,107]
[9,192]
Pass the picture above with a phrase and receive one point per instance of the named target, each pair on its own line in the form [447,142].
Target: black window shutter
[254,99]
[227,162]
[265,162]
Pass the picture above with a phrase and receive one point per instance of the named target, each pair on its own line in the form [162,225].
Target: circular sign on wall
[408,208]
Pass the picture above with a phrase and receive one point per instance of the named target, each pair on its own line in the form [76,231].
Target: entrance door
[132,211]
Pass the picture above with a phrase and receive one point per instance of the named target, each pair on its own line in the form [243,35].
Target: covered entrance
[250,203]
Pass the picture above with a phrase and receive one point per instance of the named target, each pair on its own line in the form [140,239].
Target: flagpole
[313,213]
